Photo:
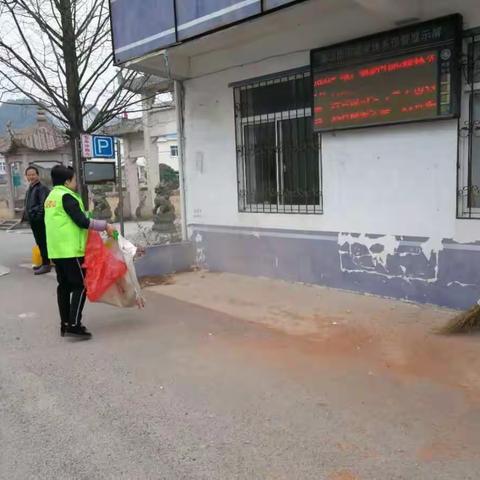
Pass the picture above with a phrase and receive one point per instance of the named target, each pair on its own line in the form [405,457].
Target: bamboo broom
[464,322]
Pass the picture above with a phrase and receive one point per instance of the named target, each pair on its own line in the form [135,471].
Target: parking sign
[103,146]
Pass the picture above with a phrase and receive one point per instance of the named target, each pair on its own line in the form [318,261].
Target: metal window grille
[469,132]
[278,154]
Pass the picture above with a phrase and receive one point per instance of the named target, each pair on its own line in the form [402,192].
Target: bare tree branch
[57,53]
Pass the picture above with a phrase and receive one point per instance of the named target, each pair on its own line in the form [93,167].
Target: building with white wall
[392,209]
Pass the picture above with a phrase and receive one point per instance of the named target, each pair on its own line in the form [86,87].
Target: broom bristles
[464,322]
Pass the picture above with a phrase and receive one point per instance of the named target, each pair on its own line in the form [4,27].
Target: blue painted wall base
[448,277]
[166,259]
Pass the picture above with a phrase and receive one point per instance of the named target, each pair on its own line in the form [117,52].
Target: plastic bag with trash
[103,267]
[126,291]
[111,276]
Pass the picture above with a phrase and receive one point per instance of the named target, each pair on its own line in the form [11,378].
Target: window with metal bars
[278,154]
[469,132]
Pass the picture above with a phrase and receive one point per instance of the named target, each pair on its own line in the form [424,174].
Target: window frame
[172,149]
[241,123]
[467,128]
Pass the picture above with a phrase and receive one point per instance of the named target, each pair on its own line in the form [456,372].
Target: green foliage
[169,176]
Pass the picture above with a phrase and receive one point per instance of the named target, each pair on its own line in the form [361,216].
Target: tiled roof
[42,137]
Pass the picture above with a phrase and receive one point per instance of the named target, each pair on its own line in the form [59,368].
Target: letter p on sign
[103,146]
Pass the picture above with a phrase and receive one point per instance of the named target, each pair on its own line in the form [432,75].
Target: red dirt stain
[439,451]
[343,475]
[405,353]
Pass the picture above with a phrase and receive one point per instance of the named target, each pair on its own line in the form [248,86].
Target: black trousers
[71,292]
[38,229]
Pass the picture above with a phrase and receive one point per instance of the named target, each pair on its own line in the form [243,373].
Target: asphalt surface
[182,392]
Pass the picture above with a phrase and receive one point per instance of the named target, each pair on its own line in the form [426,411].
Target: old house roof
[42,136]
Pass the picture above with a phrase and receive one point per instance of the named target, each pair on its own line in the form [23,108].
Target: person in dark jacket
[34,213]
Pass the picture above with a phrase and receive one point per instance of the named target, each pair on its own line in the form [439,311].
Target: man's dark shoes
[77,331]
[43,270]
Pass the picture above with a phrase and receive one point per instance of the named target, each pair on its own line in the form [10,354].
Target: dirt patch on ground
[343,475]
[440,450]
[409,352]
[294,308]
[151,281]
[388,336]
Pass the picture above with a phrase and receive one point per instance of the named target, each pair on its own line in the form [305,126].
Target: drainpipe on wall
[179,93]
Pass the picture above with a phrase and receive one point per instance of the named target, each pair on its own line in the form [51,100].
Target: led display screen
[420,84]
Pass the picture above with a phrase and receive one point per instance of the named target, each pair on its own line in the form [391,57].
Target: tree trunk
[75,116]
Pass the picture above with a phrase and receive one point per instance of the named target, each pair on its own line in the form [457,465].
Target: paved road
[181,392]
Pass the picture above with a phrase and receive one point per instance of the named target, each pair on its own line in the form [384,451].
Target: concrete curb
[162,260]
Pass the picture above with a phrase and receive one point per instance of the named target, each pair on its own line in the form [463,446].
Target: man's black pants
[38,229]
[71,292]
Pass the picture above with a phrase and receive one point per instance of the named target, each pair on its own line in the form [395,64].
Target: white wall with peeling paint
[396,180]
